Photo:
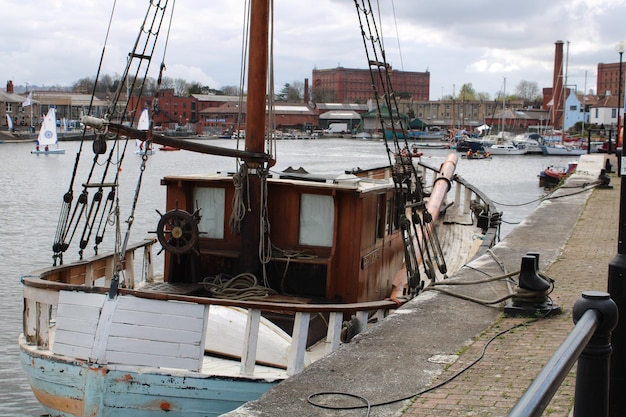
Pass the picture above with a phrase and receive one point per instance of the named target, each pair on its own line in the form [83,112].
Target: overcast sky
[482,42]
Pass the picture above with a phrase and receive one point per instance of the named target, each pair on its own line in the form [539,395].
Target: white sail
[144,120]
[9,122]
[48,132]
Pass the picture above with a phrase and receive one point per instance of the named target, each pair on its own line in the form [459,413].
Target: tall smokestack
[306,91]
[557,86]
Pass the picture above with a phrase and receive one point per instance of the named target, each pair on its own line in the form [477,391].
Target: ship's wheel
[177,231]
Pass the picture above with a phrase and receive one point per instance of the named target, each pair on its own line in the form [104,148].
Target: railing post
[591,398]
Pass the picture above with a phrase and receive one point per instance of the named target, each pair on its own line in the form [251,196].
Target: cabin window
[382,218]
[211,202]
[317,218]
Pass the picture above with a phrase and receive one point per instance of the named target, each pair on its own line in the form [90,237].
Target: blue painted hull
[71,388]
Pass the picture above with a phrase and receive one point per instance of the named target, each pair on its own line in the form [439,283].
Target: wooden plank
[101,338]
[129,262]
[70,350]
[30,320]
[298,343]
[76,323]
[156,361]
[160,320]
[153,348]
[44,314]
[333,337]
[123,330]
[250,341]
[157,333]
[41,295]
[78,339]
[362,317]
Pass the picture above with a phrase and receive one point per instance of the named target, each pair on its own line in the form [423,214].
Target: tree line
[527,91]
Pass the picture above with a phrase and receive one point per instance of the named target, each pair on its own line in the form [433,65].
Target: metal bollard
[591,398]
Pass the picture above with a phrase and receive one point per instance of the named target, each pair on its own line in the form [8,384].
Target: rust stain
[165,406]
[71,406]
[100,370]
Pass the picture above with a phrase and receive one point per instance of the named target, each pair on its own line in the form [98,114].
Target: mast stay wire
[139,55]
[411,190]
[60,245]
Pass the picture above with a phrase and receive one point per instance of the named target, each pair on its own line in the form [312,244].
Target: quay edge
[432,324]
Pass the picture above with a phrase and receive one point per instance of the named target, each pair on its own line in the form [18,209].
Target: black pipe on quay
[595,315]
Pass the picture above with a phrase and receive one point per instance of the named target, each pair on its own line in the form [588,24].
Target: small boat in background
[407,157]
[531,141]
[476,155]
[48,135]
[507,149]
[553,175]
[561,149]
[168,148]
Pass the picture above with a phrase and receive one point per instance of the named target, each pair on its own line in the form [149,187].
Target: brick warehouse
[349,85]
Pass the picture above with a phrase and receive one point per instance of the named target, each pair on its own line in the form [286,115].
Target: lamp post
[617,281]
[620,48]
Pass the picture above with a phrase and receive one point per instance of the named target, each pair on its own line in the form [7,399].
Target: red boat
[553,175]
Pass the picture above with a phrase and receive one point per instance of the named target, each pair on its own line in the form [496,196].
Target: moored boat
[553,175]
[48,136]
[239,306]
[506,149]
[562,149]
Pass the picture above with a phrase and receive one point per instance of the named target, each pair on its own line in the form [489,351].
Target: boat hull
[72,388]
[506,150]
[562,150]
[48,152]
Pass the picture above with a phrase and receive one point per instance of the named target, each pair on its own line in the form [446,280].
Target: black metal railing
[595,315]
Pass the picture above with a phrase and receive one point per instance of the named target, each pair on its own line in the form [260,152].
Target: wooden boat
[240,306]
[553,175]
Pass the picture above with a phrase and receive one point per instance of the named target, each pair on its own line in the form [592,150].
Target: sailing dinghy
[144,125]
[239,306]
[48,136]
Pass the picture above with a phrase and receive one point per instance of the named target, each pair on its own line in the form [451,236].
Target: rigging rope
[407,181]
[94,215]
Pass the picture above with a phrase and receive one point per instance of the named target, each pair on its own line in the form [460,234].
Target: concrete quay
[437,335]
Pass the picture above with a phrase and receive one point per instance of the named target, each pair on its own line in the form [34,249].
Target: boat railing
[41,298]
[469,200]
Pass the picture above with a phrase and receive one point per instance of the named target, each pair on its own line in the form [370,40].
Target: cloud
[479,42]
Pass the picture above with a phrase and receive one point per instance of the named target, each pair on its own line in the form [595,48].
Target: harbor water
[33,187]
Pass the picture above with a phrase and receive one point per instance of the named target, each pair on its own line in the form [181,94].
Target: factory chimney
[556,112]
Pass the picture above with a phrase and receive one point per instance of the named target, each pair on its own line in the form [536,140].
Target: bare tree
[527,90]
[231,90]
[167,83]
[180,87]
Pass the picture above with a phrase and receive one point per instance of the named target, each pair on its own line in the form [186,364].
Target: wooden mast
[255,132]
